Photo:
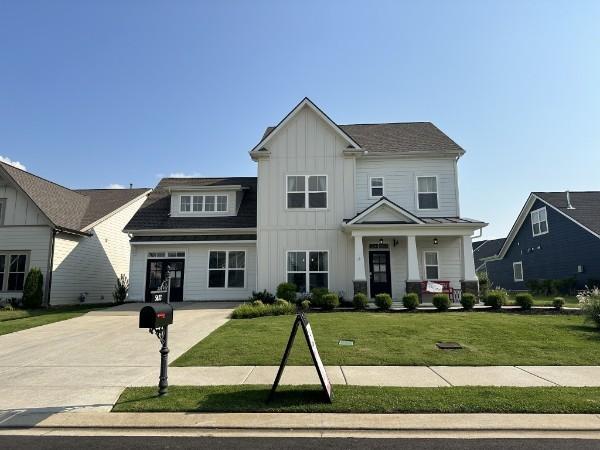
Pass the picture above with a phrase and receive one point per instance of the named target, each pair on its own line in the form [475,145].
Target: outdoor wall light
[395,242]
[435,241]
[380,241]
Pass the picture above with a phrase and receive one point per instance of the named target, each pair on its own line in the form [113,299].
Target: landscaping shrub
[590,305]
[467,301]
[496,298]
[264,296]
[441,302]
[524,300]
[558,302]
[593,283]
[33,289]
[360,301]
[410,301]
[317,295]
[121,289]
[287,291]
[259,309]
[484,283]
[534,286]
[330,301]
[383,301]
[280,302]
[305,305]
[257,303]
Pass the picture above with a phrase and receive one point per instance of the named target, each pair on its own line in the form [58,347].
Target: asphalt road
[151,443]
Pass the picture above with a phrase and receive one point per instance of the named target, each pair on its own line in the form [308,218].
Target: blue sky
[95,93]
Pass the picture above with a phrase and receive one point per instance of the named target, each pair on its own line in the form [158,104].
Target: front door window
[380,273]
[159,270]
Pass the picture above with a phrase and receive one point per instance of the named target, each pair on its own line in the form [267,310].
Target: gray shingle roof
[66,208]
[405,137]
[154,213]
[489,248]
[586,204]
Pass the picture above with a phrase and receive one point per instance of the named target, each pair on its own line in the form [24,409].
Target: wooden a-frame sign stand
[314,353]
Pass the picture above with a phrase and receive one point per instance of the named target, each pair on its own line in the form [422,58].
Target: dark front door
[379,271]
[158,270]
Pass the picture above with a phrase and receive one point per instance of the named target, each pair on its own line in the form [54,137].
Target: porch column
[469,283]
[360,279]
[413,261]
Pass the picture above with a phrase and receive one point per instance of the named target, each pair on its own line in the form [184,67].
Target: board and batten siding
[20,210]
[306,145]
[195,278]
[91,264]
[400,183]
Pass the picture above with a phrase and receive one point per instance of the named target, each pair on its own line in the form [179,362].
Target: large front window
[203,203]
[539,221]
[227,269]
[427,192]
[13,269]
[306,191]
[308,269]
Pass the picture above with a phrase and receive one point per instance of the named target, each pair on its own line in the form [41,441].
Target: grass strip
[22,319]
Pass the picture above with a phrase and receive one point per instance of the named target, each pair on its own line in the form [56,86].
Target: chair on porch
[453,294]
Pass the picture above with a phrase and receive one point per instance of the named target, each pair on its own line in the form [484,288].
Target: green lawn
[364,399]
[22,319]
[405,339]
[540,300]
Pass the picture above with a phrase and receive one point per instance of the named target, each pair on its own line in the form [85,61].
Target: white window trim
[306,192]
[166,254]
[7,254]
[371,187]
[437,192]
[547,225]
[425,265]
[208,269]
[307,271]
[518,263]
[203,210]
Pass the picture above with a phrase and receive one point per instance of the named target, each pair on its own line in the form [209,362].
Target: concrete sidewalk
[404,376]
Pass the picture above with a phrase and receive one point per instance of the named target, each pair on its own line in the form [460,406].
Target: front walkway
[86,362]
[403,376]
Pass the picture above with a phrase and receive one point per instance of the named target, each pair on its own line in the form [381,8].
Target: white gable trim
[308,103]
[384,202]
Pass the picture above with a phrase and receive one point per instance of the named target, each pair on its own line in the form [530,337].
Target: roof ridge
[386,123]
[204,178]
[566,190]
[110,189]
[41,178]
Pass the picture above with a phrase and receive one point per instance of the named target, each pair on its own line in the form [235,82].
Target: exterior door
[379,273]
[158,270]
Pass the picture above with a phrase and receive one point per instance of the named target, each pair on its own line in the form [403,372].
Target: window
[227,269]
[16,272]
[376,186]
[427,192]
[303,190]
[539,221]
[307,276]
[432,270]
[207,203]
[518,271]
[176,254]
[2,210]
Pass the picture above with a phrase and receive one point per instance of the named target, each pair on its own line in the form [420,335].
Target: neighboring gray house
[485,249]
[73,236]
[370,207]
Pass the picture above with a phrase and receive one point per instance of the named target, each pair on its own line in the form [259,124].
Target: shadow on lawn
[590,331]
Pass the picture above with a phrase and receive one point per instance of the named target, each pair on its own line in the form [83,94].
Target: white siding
[195,280]
[307,145]
[400,183]
[92,264]
[20,210]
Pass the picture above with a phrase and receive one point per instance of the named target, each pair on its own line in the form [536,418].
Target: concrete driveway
[85,363]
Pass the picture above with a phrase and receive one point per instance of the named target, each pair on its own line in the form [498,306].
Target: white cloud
[115,186]
[17,164]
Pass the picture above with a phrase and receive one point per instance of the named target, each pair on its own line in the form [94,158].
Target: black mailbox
[156,315]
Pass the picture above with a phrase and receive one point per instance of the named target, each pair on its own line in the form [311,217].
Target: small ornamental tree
[33,289]
[121,289]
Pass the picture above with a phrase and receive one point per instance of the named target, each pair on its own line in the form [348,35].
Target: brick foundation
[471,287]
[360,286]
[414,286]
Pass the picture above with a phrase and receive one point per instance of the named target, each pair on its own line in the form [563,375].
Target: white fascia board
[158,243]
[413,230]
[386,202]
[412,155]
[229,187]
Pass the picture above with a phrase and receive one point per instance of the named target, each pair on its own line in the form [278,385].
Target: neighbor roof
[155,212]
[399,138]
[485,249]
[69,209]
[586,206]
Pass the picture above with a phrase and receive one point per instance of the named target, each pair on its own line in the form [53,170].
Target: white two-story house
[355,208]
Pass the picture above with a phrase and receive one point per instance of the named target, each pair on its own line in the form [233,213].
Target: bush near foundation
[259,309]
[467,301]
[383,301]
[441,302]
[410,301]
[524,300]
[330,301]
[496,298]
[360,301]
[33,289]
[287,291]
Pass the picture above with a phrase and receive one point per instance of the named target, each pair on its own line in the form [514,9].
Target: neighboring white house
[371,208]
[74,237]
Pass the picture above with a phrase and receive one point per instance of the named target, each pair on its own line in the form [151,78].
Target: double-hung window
[13,268]
[376,186]
[306,191]
[432,268]
[539,221]
[227,269]
[200,203]
[427,192]
[2,210]
[518,271]
[308,269]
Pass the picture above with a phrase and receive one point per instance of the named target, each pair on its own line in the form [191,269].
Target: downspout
[50,266]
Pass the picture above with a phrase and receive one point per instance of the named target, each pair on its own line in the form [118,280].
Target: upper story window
[376,186]
[427,192]
[200,203]
[307,191]
[539,221]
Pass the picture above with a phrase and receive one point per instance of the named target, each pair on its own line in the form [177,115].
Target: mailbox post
[157,318]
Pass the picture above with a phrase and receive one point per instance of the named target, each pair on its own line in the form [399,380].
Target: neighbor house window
[207,203]
[539,221]
[16,272]
[376,186]
[308,270]
[227,269]
[307,191]
[2,210]
[427,192]
[518,271]
[432,269]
